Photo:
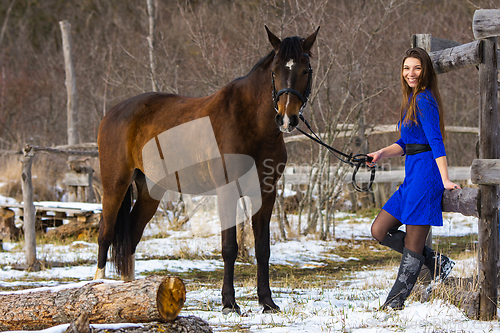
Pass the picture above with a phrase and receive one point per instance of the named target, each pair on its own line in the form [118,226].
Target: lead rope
[355,161]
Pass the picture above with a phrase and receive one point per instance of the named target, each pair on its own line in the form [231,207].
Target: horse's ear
[309,41]
[275,41]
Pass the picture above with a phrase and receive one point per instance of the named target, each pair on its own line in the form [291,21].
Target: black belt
[417,148]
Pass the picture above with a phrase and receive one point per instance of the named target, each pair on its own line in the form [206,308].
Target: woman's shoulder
[426,99]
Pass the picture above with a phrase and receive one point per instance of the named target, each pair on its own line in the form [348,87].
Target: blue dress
[418,200]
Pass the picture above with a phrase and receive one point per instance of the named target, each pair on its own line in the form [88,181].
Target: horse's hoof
[100,273]
[269,309]
[228,310]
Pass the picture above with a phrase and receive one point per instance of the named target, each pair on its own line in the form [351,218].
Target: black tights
[415,234]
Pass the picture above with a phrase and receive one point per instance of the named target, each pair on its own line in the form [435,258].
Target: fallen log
[151,299]
[8,229]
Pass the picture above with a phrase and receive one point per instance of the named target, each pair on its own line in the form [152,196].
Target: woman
[417,202]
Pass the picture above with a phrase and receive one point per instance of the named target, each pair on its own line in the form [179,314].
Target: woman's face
[411,71]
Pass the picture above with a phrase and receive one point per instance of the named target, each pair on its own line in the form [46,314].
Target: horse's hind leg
[144,209]
[114,189]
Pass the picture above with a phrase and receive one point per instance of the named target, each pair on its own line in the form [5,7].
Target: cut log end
[170,298]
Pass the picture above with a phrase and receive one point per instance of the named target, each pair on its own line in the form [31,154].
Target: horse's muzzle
[285,123]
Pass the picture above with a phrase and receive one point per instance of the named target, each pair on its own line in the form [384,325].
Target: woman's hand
[389,151]
[449,185]
[376,156]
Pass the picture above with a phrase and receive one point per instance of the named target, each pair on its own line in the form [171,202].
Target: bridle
[355,161]
[303,98]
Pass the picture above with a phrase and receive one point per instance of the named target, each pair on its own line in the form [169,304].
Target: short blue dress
[418,200]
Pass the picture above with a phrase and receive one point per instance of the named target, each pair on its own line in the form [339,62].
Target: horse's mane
[263,61]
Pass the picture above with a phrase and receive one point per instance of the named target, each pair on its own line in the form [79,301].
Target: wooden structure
[486,28]
[155,298]
[29,210]
[57,212]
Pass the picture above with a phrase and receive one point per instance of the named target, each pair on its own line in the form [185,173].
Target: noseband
[303,98]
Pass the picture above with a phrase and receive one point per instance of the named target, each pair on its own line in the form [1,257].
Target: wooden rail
[301,175]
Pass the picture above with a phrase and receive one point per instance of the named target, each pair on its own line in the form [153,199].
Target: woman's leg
[385,230]
[409,269]
[415,237]
[382,224]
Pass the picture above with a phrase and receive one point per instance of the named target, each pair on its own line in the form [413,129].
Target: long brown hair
[426,79]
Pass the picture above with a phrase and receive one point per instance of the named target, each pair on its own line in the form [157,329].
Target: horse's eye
[305,72]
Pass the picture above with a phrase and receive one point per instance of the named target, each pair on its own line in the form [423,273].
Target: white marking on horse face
[286,122]
[290,64]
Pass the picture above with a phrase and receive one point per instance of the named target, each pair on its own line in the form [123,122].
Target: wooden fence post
[29,215]
[486,26]
[488,213]
[424,41]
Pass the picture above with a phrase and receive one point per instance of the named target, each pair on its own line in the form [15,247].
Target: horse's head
[291,77]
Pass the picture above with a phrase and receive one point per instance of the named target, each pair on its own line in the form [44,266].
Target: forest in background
[202,45]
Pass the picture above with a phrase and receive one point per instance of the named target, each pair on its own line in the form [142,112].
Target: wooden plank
[488,210]
[73,178]
[485,172]
[456,57]
[301,175]
[486,23]
[72,211]
[464,201]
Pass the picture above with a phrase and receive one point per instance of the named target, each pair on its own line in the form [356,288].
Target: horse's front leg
[260,223]
[229,253]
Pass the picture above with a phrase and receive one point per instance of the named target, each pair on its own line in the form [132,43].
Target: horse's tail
[122,241]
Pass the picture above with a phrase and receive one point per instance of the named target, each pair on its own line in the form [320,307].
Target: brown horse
[229,143]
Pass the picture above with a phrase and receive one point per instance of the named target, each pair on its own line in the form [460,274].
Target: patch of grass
[89,236]
[370,255]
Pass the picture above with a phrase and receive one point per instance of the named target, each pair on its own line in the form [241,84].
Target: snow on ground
[350,306]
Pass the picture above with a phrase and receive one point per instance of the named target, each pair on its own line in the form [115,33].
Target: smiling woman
[411,71]
[417,202]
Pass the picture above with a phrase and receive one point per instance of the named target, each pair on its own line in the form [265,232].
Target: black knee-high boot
[439,265]
[409,269]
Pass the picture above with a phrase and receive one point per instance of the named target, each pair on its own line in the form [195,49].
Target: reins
[355,161]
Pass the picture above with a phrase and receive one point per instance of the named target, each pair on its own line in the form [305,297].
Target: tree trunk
[70,82]
[154,298]
[151,44]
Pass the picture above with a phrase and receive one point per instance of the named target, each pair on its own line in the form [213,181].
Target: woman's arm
[389,151]
[442,164]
